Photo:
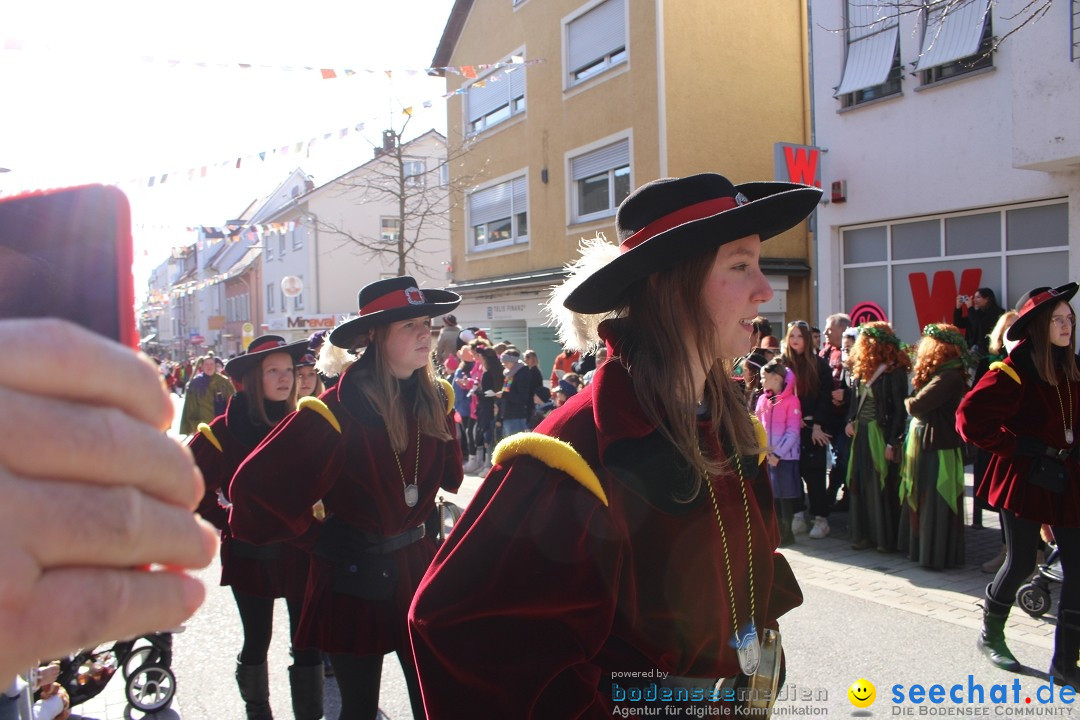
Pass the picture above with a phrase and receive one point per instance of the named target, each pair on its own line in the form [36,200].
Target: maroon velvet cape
[995,412]
[355,475]
[284,576]
[542,591]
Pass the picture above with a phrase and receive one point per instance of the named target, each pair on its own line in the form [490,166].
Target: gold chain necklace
[412,492]
[1069,427]
[747,645]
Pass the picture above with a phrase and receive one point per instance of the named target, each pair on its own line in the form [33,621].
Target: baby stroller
[143,662]
[1034,597]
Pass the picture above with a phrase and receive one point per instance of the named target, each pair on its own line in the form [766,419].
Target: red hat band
[395,299]
[268,345]
[1039,300]
[697,211]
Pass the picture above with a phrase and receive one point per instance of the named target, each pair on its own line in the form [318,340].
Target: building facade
[600,97]
[953,161]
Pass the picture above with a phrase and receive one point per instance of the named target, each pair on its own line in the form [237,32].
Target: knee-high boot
[306,684]
[254,685]
[992,638]
[786,513]
[1066,648]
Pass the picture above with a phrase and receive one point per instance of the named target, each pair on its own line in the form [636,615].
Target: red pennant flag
[468,71]
[328,74]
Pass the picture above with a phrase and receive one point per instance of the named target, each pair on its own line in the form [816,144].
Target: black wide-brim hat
[259,348]
[1032,300]
[668,221]
[387,301]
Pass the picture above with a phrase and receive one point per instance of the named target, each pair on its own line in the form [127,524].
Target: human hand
[819,436]
[489,393]
[849,429]
[773,459]
[47,675]
[890,453]
[93,491]
[838,396]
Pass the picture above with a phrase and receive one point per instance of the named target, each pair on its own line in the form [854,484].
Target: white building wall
[952,147]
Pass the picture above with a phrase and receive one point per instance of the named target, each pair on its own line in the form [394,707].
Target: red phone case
[74,232]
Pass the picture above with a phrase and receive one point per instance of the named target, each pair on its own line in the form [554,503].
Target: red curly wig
[869,351]
[933,353]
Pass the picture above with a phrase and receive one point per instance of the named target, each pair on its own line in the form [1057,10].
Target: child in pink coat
[780,412]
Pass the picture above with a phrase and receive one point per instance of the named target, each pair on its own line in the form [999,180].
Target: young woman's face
[408,346]
[306,381]
[978,301]
[1062,324]
[796,340]
[772,382]
[734,288]
[277,376]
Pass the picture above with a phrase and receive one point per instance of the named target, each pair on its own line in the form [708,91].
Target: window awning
[953,31]
[869,60]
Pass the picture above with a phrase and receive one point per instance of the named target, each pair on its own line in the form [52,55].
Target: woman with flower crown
[876,419]
[932,470]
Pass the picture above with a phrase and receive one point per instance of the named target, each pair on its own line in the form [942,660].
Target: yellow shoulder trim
[1007,370]
[320,407]
[762,436]
[204,430]
[555,454]
[448,390]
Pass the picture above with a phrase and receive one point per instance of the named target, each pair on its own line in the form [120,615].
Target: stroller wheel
[1034,600]
[143,655]
[151,687]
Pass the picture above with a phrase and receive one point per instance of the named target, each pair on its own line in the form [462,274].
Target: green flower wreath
[945,335]
[880,335]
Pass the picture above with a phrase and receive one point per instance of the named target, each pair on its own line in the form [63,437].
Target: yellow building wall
[734,78]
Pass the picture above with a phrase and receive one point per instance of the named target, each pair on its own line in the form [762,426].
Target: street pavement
[865,615]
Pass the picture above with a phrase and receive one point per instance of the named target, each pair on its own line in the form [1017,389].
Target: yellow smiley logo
[862,693]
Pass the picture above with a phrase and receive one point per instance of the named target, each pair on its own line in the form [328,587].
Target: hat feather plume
[333,360]
[579,331]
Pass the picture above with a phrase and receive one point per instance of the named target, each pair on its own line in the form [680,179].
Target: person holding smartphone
[266,375]
[90,444]
[376,450]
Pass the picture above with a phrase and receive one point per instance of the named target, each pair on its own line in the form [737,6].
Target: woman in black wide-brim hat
[265,376]
[613,544]
[1025,411]
[376,450]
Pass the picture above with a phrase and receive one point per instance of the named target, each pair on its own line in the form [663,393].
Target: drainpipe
[813,222]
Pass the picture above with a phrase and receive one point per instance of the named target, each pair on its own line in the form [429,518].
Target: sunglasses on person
[799,323]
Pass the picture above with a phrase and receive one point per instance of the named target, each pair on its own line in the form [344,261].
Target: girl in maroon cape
[1024,411]
[606,558]
[257,575]
[375,449]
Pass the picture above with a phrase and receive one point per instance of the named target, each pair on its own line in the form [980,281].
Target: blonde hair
[382,388]
[997,335]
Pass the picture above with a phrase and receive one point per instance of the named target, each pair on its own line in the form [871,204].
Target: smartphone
[67,253]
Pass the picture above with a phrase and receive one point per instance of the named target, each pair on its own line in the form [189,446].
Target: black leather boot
[306,684]
[786,513]
[1066,648]
[254,687]
[992,638]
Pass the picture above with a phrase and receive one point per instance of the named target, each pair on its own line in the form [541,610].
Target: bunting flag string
[332,73]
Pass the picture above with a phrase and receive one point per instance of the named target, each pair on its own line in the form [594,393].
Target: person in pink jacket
[780,412]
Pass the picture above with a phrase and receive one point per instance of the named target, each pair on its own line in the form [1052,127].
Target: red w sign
[935,304]
[797,163]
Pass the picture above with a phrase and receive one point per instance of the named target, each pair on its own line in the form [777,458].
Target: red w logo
[936,305]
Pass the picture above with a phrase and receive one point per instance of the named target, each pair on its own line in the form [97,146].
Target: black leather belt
[385,545]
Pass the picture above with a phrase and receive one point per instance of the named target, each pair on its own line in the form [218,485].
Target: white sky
[80,102]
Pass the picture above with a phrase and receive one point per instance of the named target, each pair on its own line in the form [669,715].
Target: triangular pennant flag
[427,103]
[343,132]
[328,74]
[468,71]
[163,179]
[150,182]
[262,156]
[407,112]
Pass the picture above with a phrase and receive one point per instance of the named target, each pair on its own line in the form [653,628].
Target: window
[390,229]
[444,174]
[284,301]
[498,215]
[495,98]
[269,297]
[270,247]
[1075,30]
[281,246]
[414,172]
[601,180]
[298,237]
[595,41]
[872,69]
[957,43]
[298,301]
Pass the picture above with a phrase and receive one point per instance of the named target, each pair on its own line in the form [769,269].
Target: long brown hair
[1038,334]
[252,383]
[803,364]
[381,387]
[663,310]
